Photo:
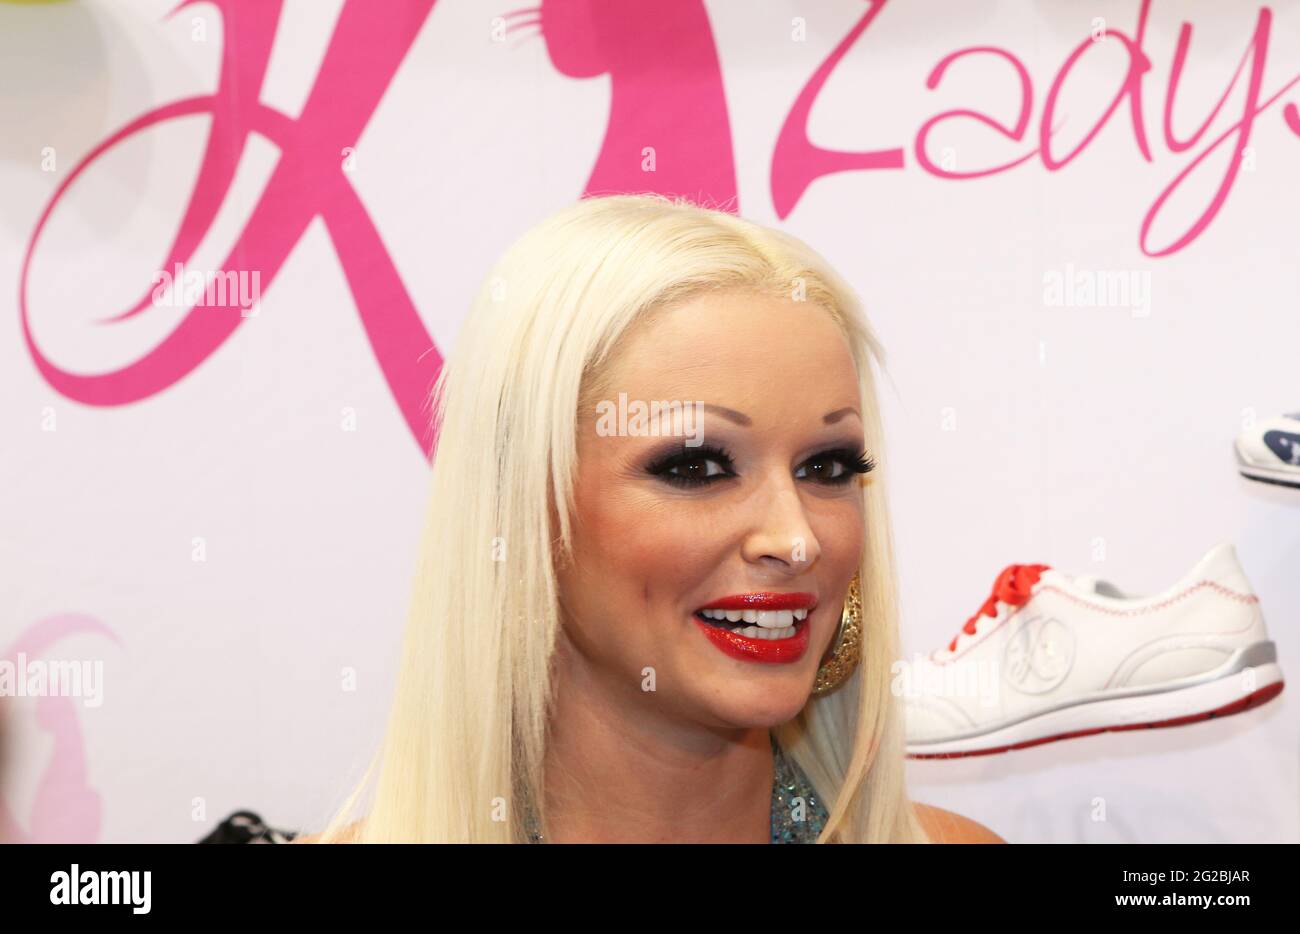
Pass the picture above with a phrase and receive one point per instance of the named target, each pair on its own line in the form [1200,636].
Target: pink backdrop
[217,502]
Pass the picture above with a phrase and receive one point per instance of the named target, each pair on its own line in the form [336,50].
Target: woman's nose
[780,531]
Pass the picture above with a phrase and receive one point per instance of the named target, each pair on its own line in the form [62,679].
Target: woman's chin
[761,705]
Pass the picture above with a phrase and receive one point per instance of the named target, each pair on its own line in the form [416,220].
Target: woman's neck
[619,771]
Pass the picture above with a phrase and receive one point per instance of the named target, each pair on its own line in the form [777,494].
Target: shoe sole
[1280,476]
[1212,699]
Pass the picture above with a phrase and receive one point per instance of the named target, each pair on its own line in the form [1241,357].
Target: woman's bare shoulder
[947,827]
[350,834]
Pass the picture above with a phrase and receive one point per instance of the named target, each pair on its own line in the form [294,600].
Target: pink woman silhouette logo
[666,92]
[66,808]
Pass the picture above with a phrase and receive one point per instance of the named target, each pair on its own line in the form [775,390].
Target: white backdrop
[236,546]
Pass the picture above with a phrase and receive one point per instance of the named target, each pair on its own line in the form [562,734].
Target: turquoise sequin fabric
[798,814]
[791,788]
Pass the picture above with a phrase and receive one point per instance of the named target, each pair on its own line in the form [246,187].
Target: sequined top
[798,815]
[790,823]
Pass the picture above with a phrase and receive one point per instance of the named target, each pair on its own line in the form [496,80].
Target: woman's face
[757,504]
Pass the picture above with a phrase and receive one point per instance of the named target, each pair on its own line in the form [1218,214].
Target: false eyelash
[857,462]
[686,455]
[854,462]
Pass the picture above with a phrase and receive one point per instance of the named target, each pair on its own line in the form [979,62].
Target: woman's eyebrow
[830,418]
[731,415]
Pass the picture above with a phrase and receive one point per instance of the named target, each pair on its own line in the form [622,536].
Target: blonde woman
[665,627]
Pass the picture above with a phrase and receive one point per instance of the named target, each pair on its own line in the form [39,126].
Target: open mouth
[759,627]
[770,625]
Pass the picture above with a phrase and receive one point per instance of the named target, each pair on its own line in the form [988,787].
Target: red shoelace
[1012,587]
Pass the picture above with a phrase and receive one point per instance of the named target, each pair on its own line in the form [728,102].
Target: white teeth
[775,619]
[758,624]
[759,632]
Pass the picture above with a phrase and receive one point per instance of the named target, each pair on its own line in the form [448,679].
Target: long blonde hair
[463,752]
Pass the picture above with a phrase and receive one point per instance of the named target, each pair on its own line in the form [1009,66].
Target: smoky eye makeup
[687,467]
[837,465]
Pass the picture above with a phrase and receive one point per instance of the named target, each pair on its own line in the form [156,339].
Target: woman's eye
[822,469]
[697,469]
[693,468]
[834,467]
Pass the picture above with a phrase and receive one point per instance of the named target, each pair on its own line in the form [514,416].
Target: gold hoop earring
[846,650]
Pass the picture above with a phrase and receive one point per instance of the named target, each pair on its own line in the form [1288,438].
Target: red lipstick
[770,651]
[763,601]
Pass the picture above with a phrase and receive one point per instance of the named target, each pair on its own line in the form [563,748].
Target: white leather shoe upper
[1077,639]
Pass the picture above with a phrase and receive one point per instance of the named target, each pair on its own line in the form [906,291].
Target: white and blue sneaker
[1053,656]
[1270,452]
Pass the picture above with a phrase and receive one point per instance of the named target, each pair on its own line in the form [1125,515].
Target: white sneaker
[1270,452]
[1049,657]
